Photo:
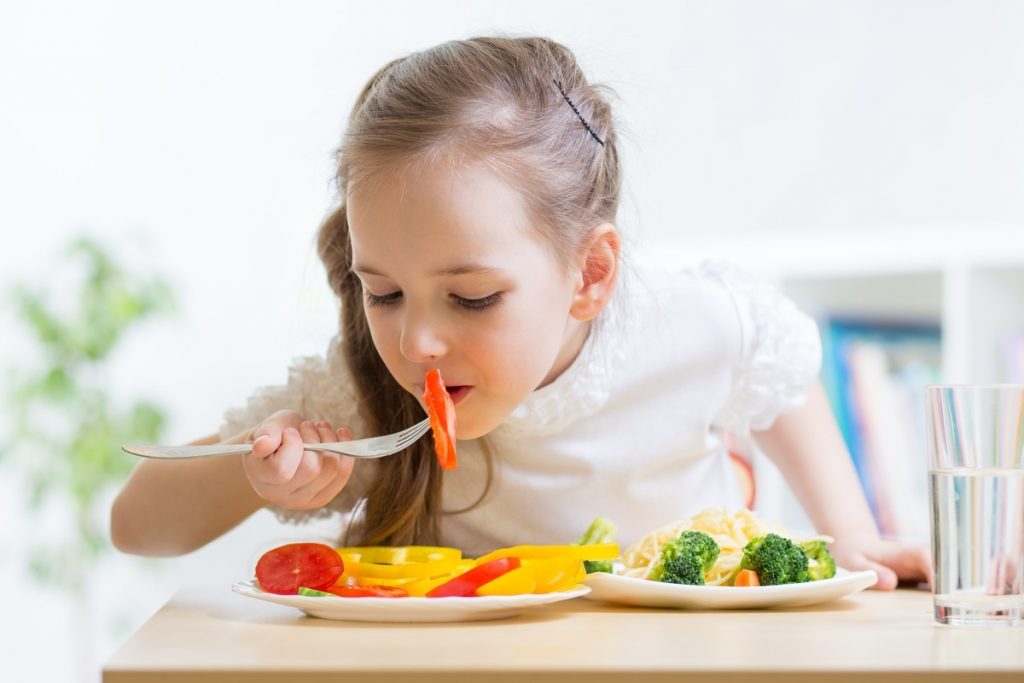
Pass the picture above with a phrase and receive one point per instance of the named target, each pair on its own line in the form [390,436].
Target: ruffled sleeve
[780,352]
[317,388]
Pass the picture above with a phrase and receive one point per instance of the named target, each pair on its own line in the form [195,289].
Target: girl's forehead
[466,202]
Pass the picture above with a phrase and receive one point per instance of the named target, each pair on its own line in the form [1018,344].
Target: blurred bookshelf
[897,310]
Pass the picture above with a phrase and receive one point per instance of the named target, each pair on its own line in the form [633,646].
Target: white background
[198,138]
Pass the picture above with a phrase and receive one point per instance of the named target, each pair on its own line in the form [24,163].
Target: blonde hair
[492,100]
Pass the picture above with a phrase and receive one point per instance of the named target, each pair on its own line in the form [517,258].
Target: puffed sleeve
[317,388]
[780,353]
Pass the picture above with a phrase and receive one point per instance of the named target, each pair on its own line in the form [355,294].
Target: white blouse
[632,430]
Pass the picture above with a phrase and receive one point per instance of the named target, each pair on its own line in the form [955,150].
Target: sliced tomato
[465,585]
[368,591]
[441,411]
[313,565]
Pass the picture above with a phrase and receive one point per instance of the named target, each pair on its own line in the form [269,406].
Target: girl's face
[455,277]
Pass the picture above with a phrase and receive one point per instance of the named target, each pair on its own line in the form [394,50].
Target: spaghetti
[731,532]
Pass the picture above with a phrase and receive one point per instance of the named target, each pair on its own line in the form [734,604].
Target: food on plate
[343,591]
[821,564]
[467,583]
[426,571]
[601,530]
[746,577]
[685,559]
[715,548]
[441,412]
[287,568]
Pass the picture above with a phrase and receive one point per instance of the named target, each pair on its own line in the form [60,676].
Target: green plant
[65,431]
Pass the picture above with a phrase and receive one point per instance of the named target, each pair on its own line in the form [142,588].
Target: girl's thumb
[263,445]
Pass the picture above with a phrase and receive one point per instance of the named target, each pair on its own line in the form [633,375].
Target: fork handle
[185,452]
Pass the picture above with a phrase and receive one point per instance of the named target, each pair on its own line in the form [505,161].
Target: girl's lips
[459,393]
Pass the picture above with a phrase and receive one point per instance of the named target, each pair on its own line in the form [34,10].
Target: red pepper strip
[344,591]
[441,411]
[465,585]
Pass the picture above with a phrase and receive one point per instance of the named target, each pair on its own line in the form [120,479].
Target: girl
[480,181]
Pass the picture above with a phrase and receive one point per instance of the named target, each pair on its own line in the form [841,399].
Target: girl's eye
[477,304]
[382,299]
[470,304]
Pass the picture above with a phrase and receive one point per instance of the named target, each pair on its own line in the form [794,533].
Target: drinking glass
[976,492]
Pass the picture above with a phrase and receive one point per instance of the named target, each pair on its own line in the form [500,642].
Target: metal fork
[374,447]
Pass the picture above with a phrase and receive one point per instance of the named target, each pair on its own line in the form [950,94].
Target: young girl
[480,182]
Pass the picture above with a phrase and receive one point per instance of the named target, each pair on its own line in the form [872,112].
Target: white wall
[198,136]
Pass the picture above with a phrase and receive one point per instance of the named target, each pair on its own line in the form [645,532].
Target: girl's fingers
[336,484]
[309,432]
[287,474]
[324,431]
[305,494]
[280,467]
[912,563]
[309,470]
[887,578]
[266,440]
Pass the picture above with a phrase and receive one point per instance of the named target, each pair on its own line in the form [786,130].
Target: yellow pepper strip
[401,562]
[596,551]
[411,570]
[420,587]
[516,582]
[555,574]
[400,554]
[354,580]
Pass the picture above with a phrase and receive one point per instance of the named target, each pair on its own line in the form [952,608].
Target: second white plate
[624,590]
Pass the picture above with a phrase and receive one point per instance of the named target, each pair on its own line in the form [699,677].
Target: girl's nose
[421,341]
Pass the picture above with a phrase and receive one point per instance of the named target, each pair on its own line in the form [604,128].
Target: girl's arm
[809,450]
[171,507]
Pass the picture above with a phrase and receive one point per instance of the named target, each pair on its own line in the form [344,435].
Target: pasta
[731,532]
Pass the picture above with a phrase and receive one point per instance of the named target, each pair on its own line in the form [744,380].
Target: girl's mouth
[458,393]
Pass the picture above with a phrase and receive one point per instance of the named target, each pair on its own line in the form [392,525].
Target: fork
[374,447]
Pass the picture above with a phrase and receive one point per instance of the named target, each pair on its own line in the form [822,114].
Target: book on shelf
[874,372]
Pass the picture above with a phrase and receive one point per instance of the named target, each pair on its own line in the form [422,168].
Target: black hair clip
[582,120]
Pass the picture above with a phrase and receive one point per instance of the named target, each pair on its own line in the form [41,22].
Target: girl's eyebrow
[462,269]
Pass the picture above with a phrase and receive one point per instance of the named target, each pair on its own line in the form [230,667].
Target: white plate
[644,593]
[410,609]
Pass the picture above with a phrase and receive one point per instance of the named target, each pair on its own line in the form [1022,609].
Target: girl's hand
[282,473]
[892,561]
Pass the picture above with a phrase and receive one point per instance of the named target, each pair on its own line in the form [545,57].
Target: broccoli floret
[601,530]
[776,560]
[686,559]
[820,563]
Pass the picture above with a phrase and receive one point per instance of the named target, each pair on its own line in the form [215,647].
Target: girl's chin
[472,431]
[467,427]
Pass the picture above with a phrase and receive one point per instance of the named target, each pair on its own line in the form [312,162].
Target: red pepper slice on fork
[441,411]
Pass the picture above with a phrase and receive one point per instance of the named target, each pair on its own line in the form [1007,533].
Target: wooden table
[207,634]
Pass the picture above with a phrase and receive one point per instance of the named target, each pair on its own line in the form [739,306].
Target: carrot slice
[747,577]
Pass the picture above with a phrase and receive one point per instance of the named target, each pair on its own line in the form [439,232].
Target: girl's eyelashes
[477,304]
[381,299]
[469,304]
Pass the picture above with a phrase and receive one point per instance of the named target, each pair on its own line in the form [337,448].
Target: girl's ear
[598,262]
